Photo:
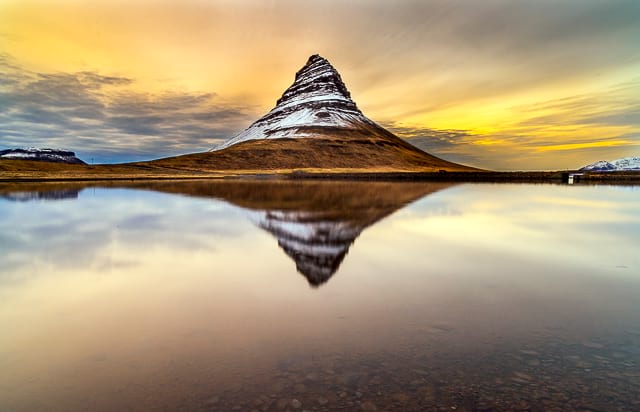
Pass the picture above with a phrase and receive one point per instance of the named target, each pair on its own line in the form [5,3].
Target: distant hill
[44,155]
[624,164]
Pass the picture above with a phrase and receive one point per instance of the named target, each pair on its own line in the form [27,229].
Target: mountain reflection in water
[314,222]
[27,196]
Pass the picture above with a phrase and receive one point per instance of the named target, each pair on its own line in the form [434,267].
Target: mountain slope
[315,125]
[338,150]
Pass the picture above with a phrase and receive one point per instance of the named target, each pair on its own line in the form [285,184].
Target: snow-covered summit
[318,98]
[44,154]
[626,163]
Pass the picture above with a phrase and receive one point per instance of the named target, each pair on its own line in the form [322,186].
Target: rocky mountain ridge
[38,154]
[626,163]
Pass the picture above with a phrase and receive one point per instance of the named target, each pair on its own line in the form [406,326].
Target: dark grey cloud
[101,117]
[443,143]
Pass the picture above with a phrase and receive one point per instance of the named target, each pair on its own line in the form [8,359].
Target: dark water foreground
[273,296]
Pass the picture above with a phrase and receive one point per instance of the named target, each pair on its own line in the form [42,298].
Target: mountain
[314,125]
[316,103]
[600,165]
[45,155]
[626,163]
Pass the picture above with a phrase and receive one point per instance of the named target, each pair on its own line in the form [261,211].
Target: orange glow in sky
[500,85]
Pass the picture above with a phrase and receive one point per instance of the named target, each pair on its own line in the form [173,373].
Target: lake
[296,295]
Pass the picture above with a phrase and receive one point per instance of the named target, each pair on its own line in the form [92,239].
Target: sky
[504,85]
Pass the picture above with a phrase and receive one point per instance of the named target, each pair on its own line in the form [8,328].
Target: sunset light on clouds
[507,85]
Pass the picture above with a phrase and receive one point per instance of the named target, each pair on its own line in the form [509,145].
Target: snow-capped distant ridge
[41,154]
[626,163]
[318,98]
[600,165]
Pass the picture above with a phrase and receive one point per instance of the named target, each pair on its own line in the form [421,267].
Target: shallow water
[319,296]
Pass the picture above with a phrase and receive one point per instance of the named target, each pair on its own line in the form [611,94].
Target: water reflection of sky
[143,280]
[590,227]
[95,231]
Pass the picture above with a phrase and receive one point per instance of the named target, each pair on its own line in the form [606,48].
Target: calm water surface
[319,296]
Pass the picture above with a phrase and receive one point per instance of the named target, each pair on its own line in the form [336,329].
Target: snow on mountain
[627,163]
[600,165]
[47,155]
[317,99]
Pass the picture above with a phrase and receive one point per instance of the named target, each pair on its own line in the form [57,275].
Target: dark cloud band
[101,116]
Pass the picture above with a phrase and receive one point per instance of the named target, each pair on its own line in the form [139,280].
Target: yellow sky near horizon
[543,86]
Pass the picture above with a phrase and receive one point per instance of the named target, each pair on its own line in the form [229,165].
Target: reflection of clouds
[87,234]
[438,208]
[139,221]
[108,264]
[586,224]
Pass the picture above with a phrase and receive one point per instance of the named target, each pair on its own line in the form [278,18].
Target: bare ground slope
[330,149]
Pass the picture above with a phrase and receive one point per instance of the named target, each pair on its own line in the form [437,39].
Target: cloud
[105,118]
[447,144]
[614,106]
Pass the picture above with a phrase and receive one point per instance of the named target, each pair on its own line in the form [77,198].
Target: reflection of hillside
[315,222]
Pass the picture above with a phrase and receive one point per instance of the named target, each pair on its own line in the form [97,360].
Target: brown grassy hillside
[331,150]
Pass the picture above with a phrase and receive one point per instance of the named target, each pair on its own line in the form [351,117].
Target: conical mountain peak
[317,100]
[316,79]
[318,125]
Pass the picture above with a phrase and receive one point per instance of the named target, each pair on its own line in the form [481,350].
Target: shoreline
[15,171]
[631,178]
